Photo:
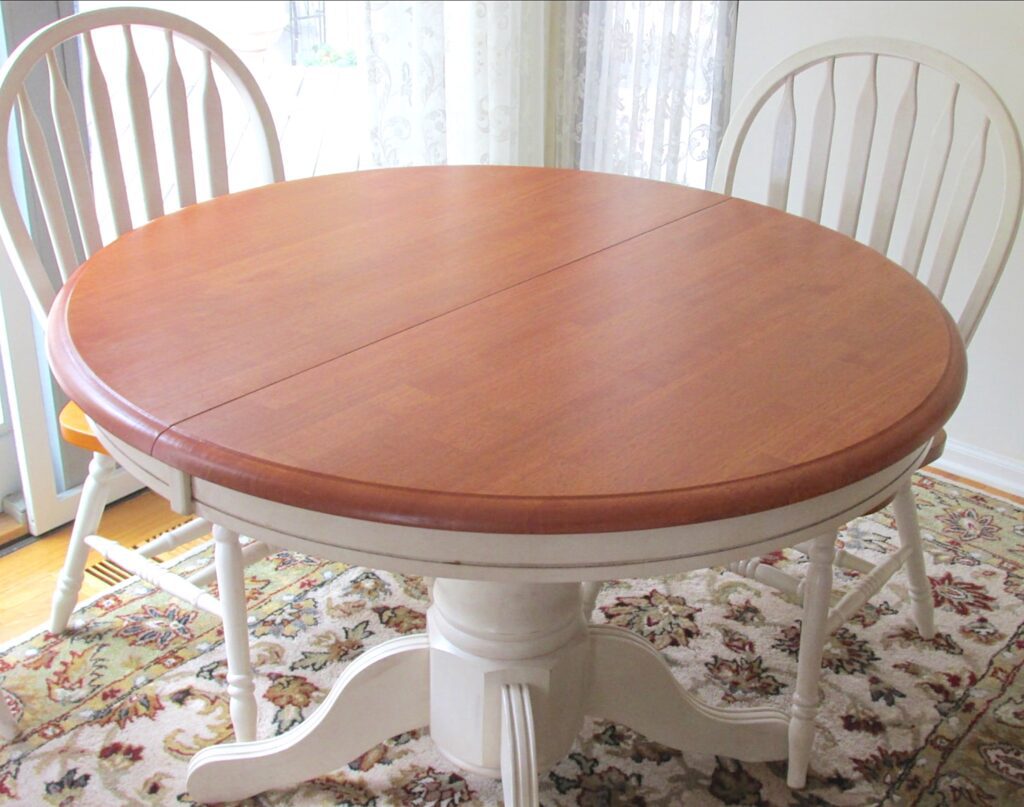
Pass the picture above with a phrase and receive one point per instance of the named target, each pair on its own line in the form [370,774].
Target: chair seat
[75,428]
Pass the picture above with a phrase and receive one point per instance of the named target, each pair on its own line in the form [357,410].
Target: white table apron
[509,665]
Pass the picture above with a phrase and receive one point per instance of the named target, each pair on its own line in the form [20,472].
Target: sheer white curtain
[635,87]
[455,82]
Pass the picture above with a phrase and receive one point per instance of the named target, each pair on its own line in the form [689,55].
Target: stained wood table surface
[507,350]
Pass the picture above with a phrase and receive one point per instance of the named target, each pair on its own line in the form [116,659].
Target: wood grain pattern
[714,364]
[242,291]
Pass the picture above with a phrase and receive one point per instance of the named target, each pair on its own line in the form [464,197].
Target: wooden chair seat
[75,429]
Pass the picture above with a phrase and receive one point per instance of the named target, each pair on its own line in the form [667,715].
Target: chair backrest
[67,188]
[877,154]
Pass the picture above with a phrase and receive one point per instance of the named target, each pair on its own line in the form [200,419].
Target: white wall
[987,432]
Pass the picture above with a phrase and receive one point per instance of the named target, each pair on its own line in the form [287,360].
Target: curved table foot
[518,747]
[632,684]
[384,692]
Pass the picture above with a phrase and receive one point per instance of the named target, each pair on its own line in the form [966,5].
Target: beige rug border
[10,644]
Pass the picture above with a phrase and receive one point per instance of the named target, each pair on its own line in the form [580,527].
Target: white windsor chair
[932,234]
[63,181]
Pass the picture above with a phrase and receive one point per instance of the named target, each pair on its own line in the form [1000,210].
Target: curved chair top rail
[934,174]
[74,165]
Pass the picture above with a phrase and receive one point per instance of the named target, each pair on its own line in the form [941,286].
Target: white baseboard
[983,466]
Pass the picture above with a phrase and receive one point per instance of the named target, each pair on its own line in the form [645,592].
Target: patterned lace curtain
[637,88]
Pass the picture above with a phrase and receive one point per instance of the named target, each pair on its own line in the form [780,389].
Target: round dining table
[513,380]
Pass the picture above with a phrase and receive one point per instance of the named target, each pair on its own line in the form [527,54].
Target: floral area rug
[111,713]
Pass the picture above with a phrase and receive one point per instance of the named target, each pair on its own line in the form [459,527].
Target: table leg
[382,693]
[632,684]
[504,677]
[518,747]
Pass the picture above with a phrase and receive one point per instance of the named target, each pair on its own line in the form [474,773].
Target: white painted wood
[813,633]
[518,747]
[490,556]
[930,185]
[177,114]
[155,574]
[87,519]
[921,231]
[180,492]
[966,81]
[846,560]
[955,223]
[590,592]
[46,187]
[382,693]
[485,636]
[35,48]
[231,586]
[821,146]
[513,668]
[904,122]
[251,552]
[860,153]
[867,587]
[632,684]
[910,541]
[142,129]
[72,151]
[213,121]
[105,134]
[179,536]
[769,575]
[73,170]
[782,150]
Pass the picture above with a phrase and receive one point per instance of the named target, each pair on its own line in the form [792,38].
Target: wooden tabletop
[506,350]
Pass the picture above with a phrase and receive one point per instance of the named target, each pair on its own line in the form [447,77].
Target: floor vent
[110,573]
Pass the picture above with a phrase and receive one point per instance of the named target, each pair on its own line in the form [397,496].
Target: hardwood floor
[28,573]
[963,480]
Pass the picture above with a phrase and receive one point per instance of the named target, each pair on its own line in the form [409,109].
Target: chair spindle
[177,114]
[820,150]
[76,165]
[860,153]
[105,136]
[931,183]
[782,150]
[46,187]
[213,122]
[903,125]
[142,127]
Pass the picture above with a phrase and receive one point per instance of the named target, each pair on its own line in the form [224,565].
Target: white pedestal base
[504,677]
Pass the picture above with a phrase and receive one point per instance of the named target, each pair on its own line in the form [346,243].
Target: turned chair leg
[910,536]
[813,633]
[95,493]
[231,588]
